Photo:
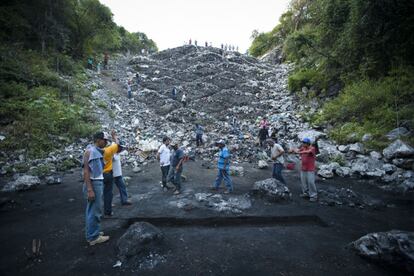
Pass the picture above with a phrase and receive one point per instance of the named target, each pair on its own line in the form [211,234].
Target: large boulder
[357,147]
[140,237]
[327,170]
[343,171]
[328,151]
[398,149]
[394,248]
[272,189]
[397,133]
[22,183]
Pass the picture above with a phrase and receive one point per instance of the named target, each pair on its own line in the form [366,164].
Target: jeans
[108,192]
[277,172]
[164,171]
[129,94]
[199,139]
[307,180]
[123,194]
[224,174]
[174,176]
[93,211]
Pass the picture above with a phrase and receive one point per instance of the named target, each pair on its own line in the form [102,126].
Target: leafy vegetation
[358,53]
[43,47]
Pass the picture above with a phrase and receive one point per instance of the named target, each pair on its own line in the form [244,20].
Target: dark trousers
[277,172]
[123,194]
[199,139]
[108,192]
[174,176]
[164,171]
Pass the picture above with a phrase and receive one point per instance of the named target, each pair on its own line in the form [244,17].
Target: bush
[305,78]
[370,106]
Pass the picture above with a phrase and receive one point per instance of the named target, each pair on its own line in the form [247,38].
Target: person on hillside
[199,131]
[263,135]
[184,100]
[108,157]
[276,154]
[164,155]
[129,89]
[174,93]
[176,167]
[273,134]
[117,175]
[223,166]
[206,44]
[137,79]
[106,60]
[308,166]
[90,63]
[98,67]
[93,166]
[189,42]
[264,123]
[195,42]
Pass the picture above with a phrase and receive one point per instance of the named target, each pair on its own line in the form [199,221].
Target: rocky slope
[220,86]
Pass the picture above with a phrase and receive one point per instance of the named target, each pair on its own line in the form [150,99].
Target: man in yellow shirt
[108,155]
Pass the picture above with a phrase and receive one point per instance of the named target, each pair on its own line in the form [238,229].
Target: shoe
[303,195]
[313,199]
[127,203]
[99,239]
[109,215]
[177,192]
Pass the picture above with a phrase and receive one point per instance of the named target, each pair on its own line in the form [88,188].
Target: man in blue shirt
[176,167]
[199,130]
[223,168]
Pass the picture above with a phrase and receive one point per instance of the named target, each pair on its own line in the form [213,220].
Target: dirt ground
[293,245]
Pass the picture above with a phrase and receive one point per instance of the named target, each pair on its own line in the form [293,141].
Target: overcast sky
[170,23]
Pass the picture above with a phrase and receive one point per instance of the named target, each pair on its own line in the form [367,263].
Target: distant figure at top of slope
[189,42]
[174,93]
[106,60]
[184,99]
[195,42]
[206,44]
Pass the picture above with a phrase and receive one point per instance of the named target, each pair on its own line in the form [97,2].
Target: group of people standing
[102,169]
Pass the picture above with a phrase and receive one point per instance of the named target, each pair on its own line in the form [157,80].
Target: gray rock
[262,164]
[272,189]
[137,170]
[396,133]
[389,168]
[407,185]
[343,171]
[53,180]
[375,155]
[366,137]
[22,183]
[405,163]
[327,151]
[394,248]
[398,149]
[232,204]
[357,147]
[236,171]
[140,237]
[327,171]
[343,148]
[359,167]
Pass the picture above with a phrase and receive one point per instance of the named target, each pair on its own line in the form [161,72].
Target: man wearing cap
[223,165]
[176,168]
[93,166]
[108,156]
[164,155]
[307,154]
[117,175]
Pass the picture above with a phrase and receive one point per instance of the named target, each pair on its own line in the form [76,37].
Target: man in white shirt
[163,155]
[277,152]
[117,176]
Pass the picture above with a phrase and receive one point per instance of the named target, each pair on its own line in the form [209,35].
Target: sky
[171,23]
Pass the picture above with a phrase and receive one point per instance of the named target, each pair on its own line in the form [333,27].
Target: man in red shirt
[307,154]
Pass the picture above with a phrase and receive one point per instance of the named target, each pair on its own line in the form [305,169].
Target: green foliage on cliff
[359,52]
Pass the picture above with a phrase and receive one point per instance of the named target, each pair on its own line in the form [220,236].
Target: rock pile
[393,248]
[272,189]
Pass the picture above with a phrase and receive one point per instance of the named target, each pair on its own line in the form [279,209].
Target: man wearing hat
[93,166]
[176,167]
[223,165]
[307,154]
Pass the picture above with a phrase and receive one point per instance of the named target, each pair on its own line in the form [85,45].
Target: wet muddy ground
[291,238]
